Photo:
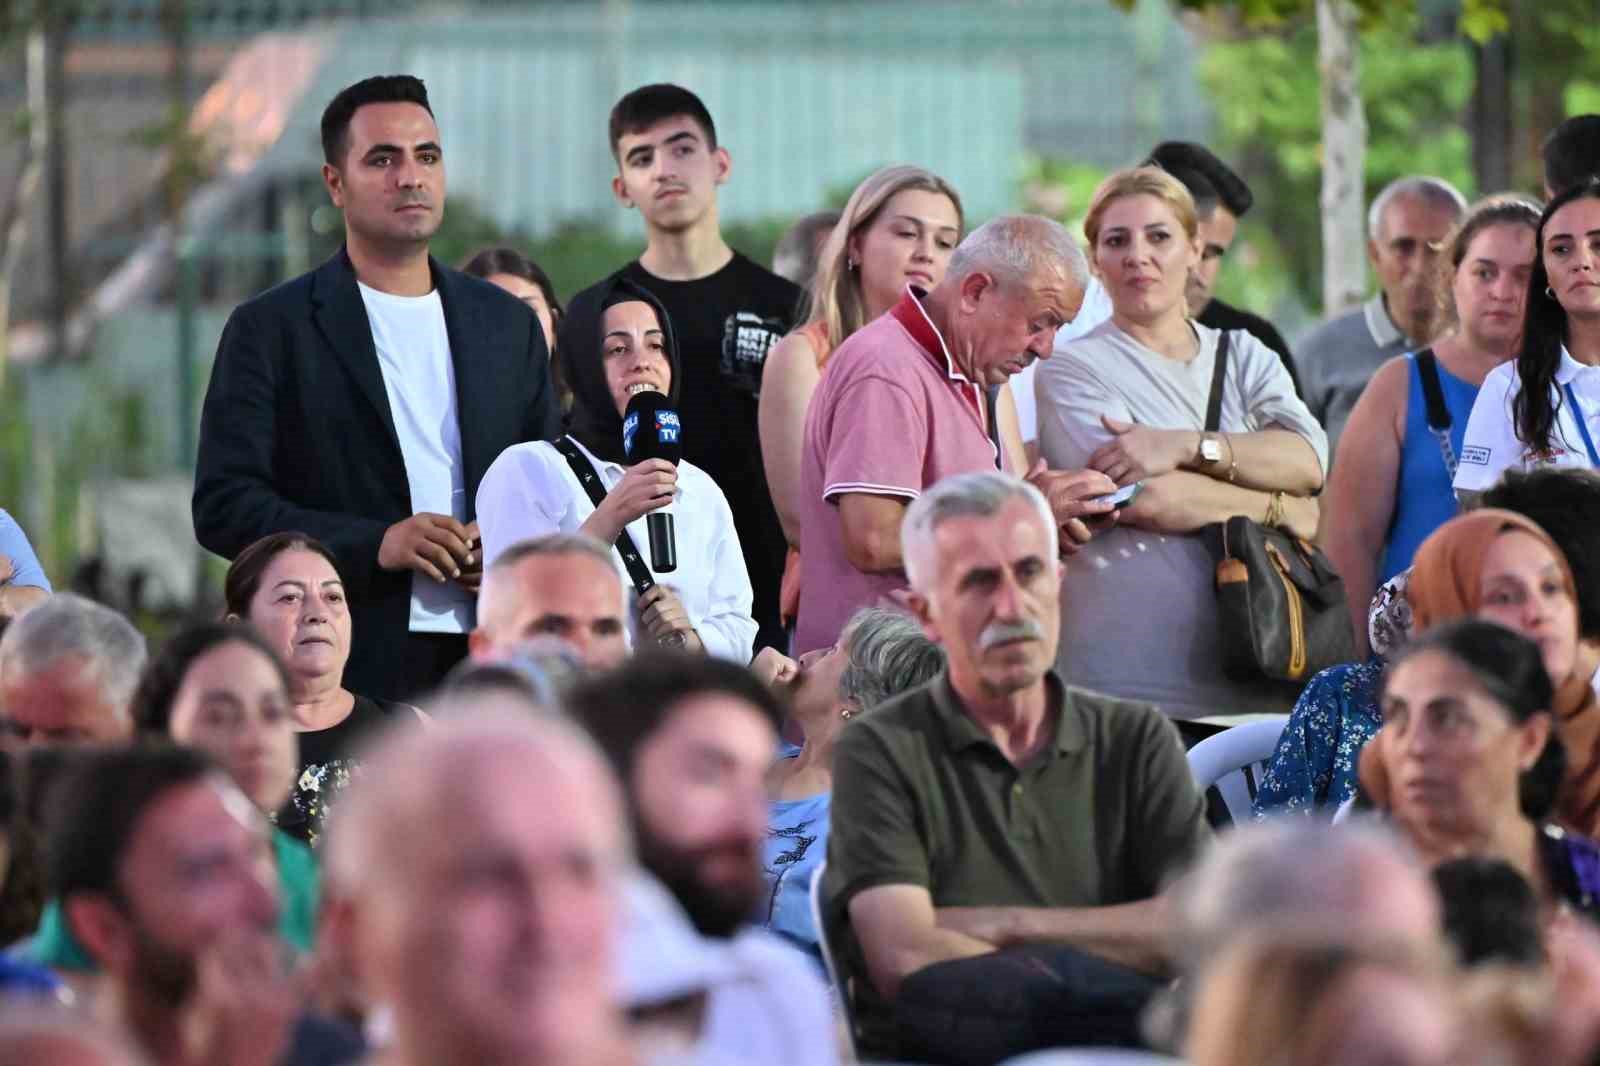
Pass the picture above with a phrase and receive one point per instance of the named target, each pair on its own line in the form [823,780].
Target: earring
[847,714]
[852,264]
[1548,293]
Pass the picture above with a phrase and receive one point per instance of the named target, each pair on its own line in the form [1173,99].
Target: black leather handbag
[1281,605]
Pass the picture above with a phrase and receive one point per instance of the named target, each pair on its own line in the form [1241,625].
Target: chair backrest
[1231,762]
[1092,1056]
[836,979]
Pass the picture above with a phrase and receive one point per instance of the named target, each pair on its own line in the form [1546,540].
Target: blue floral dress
[1314,766]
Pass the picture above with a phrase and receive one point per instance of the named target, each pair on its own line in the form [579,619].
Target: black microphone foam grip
[651,429]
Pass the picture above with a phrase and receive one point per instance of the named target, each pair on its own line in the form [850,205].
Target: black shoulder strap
[1218,373]
[638,573]
[1432,390]
[991,402]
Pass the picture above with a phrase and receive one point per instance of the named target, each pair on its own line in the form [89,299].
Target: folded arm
[870,526]
[900,933]
[1135,935]
[1184,502]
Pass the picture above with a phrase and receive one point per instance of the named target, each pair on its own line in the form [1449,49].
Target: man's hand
[774,669]
[434,545]
[1072,493]
[472,570]
[245,1003]
[664,617]
[8,569]
[1138,452]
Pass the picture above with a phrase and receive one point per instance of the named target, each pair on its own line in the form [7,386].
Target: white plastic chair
[1222,761]
[841,994]
[1092,1056]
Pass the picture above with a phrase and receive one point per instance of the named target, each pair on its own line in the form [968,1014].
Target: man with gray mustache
[1002,839]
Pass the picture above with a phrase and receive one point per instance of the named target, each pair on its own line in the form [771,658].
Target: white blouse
[531,491]
[1491,446]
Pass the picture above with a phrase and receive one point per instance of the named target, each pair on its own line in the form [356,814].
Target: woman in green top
[219,687]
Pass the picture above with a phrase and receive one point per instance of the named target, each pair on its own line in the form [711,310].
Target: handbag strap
[1218,373]
[589,478]
[1583,424]
[1439,420]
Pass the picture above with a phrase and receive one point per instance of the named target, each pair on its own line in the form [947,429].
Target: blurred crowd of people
[727,667]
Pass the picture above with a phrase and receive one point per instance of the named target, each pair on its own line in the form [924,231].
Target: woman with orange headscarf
[1490,564]
[1488,746]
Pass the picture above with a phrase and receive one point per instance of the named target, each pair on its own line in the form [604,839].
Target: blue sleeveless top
[1423,498]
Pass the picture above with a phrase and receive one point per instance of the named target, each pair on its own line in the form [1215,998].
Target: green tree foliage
[1264,88]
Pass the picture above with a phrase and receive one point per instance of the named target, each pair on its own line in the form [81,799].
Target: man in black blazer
[361,403]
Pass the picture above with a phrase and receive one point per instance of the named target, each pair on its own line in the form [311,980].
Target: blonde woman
[1129,399]
[898,228]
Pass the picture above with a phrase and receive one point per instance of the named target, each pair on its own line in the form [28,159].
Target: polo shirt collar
[1380,325]
[961,732]
[910,313]
[1569,368]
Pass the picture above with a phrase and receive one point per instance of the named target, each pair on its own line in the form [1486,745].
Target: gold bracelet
[1233,464]
[1274,517]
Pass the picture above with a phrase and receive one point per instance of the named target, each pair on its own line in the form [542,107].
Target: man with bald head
[907,401]
[488,932]
[1406,227]
[1001,840]
[68,668]
[564,585]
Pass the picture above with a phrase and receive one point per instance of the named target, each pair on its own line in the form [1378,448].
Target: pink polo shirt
[891,416]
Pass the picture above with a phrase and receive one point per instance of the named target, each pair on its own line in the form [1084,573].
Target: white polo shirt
[414,354]
[1491,446]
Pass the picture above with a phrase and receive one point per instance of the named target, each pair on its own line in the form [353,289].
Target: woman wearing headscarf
[1493,565]
[532,489]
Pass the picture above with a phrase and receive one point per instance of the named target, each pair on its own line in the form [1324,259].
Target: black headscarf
[594,420]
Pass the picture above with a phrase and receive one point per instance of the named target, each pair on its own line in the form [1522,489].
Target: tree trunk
[14,224]
[1490,115]
[1344,149]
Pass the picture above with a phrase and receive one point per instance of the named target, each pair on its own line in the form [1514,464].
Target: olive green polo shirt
[921,796]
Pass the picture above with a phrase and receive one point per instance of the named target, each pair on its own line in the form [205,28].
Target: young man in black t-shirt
[726,312]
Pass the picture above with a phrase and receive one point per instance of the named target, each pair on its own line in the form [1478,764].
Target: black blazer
[296,432]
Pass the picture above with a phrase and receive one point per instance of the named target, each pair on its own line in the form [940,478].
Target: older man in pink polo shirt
[902,405]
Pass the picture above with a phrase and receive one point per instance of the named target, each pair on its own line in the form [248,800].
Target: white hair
[498,585]
[67,624]
[1436,192]
[1015,248]
[981,494]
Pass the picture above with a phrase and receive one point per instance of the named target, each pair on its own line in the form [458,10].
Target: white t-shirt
[530,491]
[414,355]
[1491,446]
[1095,310]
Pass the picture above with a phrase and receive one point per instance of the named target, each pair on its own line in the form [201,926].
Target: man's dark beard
[716,911]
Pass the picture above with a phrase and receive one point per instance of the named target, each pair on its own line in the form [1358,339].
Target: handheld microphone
[651,430]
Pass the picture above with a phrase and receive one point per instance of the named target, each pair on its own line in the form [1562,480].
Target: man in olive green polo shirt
[998,807]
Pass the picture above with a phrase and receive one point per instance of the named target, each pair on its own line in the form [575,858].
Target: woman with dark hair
[1469,761]
[220,688]
[1492,565]
[514,272]
[287,587]
[1391,485]
[534,489]
[1544,409]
